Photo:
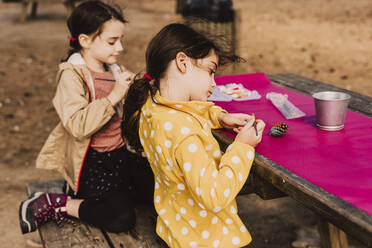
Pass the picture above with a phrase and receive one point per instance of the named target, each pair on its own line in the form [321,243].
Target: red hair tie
[147,76]
[72,38]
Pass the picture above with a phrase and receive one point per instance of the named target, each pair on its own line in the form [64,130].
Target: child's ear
[182,61]
[84,40]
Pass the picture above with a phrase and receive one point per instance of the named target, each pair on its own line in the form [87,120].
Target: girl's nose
[119,47]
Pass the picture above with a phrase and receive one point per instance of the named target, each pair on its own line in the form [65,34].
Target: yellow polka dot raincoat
[195,185]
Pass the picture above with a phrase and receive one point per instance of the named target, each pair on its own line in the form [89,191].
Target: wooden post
[24,11]
[180,4]
[331,236]
[236,36]
[34,8]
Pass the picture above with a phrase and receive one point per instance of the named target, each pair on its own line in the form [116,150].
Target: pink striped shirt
[109,137]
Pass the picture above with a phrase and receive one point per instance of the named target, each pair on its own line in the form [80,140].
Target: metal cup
[330,109]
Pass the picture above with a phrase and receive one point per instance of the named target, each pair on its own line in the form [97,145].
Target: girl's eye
[112,43]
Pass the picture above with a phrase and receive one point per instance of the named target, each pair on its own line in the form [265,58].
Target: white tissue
[281,102]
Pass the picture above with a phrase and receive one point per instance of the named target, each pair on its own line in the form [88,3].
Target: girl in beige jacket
[87,147]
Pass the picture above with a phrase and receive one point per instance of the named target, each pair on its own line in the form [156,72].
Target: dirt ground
[327,40]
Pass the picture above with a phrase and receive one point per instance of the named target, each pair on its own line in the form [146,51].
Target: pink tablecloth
[339,162]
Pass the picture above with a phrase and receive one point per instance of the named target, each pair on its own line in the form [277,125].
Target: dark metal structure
[211,10]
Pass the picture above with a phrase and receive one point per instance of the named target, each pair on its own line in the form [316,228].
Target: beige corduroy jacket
[81,115]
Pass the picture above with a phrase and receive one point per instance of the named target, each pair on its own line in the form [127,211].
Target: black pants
[111,183]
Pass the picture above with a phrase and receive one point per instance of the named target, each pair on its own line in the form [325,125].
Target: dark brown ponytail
[137,95]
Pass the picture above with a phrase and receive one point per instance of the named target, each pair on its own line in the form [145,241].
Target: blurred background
[326,40]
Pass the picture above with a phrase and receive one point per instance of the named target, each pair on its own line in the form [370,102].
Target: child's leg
[72,207]
[102,173]
[114,213]
[107,203]
[141,178]
[94,203]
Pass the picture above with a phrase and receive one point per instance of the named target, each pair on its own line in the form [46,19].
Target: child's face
[107,46]
[201,77]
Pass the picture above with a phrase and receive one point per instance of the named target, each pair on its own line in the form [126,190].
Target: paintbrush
[254,125]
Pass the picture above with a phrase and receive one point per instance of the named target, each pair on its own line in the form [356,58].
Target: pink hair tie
[72,38]
[147,76]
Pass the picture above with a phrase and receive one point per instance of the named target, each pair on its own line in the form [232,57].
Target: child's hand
[233,121]
[248,135]
[121,87]
[124,75]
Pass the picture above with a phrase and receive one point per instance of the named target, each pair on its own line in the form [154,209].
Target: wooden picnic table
[271,180]
[69,5]
[267,179]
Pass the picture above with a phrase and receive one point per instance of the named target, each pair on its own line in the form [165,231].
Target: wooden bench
[267,179]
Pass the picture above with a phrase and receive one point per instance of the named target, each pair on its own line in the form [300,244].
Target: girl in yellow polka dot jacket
[167,116]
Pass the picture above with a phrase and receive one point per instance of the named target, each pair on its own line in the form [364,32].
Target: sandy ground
[327,40]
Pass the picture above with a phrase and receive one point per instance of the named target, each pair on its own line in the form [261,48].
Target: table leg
[34,8]
[24,11]
[331,236]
